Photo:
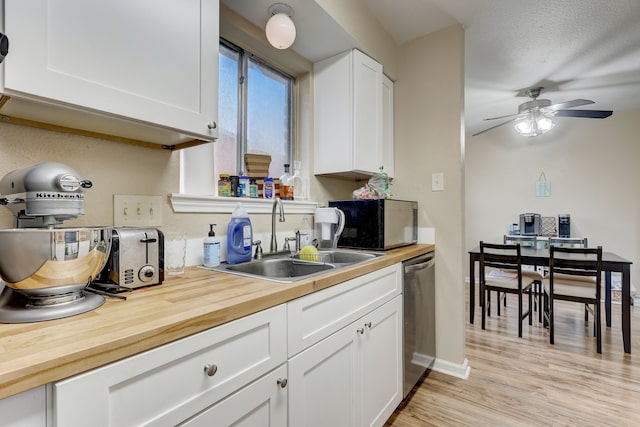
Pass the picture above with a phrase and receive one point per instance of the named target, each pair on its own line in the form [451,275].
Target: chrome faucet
[274,242]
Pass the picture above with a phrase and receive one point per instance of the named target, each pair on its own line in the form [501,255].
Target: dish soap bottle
[211,249]
[306,232]
[286,184]
[239,236]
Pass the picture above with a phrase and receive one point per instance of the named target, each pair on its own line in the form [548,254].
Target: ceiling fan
[534,117]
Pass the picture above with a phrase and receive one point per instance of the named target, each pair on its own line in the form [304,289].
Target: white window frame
[197,187]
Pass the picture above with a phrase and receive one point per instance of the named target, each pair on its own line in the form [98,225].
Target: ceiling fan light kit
[534,125]
[535,117]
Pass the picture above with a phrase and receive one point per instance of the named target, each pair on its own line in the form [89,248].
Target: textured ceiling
[574,48]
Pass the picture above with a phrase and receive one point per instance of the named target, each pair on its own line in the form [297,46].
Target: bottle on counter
[306,231]
[268,189]
[286,184]
[211,248]
[239,236]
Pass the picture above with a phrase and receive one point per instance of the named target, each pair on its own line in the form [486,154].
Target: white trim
[453,369]
[192,203]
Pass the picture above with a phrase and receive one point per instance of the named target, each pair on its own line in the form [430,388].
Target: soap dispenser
[211,248]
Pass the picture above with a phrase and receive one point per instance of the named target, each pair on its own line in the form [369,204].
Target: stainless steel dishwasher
[419,337]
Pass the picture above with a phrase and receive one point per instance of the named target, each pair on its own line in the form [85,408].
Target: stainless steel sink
[280,268]
[290,268]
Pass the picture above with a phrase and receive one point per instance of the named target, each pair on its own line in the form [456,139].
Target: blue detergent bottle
[239,236]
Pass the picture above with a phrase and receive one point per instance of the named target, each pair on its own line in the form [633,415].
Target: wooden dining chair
[575,274]
[536,274]
[501,271]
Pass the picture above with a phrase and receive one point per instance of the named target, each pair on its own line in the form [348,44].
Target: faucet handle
[258,252]
[287,247]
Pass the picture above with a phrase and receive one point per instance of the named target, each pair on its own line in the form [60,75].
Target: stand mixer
[46,268]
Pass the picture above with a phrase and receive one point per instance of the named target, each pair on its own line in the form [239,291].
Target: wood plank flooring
[529,382]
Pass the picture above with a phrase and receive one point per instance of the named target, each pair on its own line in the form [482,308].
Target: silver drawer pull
[212,125]
[282,382]
[368,325]
[360,331]
[211,369]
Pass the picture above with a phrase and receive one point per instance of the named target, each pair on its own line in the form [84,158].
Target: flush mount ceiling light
[280,29]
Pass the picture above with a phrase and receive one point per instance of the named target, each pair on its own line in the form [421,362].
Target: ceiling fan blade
[493,127]
[589,114]
[503,117]
[570,104]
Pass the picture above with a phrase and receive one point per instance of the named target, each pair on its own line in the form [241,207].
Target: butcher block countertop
[34,354]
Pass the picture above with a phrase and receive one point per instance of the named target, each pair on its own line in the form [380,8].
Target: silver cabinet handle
[368,325]
[212,125]
[282,382]
[360,331]
[211,369]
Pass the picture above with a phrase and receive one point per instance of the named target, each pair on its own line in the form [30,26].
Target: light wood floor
[528,382]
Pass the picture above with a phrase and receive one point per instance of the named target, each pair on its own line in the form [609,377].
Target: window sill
[190,203]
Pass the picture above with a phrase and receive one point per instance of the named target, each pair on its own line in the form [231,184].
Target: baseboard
[453,369]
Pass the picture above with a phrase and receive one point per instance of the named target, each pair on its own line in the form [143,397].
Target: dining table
[611,263]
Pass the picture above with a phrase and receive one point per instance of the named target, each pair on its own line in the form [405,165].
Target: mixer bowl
[55,261]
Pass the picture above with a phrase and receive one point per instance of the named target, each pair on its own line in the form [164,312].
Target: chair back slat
[585,262]
[505,257]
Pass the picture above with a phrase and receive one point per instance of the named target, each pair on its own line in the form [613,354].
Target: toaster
[136,258]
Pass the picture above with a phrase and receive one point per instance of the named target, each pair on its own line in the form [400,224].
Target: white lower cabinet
[330,358]
[170,384]
[353,377]
[26,409]
[345,352]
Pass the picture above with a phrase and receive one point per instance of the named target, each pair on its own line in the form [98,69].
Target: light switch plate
[137,211]
[437,181]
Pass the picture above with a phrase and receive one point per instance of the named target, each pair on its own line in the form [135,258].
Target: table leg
[626,307]
[472,288]
[607,297]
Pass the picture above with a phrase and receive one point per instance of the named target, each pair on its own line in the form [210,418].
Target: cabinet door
[260,404]
[387,126]
[170,384]
[323,383]
[367,104]
[153,62]
[348,115]
[353,377]
[381,362]
[27,409]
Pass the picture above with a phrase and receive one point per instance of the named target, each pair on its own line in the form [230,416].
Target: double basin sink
[287,268]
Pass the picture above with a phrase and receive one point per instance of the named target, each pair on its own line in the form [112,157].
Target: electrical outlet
[137,211]
[437,182]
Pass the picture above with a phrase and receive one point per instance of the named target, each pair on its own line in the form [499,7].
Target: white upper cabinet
[348,108]
[150,63]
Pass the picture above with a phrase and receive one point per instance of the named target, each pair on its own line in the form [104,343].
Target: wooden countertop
[34,354]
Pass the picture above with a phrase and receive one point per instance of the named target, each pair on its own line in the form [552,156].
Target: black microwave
[378,224]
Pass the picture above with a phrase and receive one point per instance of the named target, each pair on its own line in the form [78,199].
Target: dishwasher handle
[420,266]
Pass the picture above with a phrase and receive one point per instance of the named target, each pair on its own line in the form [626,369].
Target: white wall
[594,173]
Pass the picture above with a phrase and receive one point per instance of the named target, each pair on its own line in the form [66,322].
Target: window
[255,112]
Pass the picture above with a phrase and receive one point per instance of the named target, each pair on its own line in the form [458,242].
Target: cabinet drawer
[262,403]
[318,315]
[167,385]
